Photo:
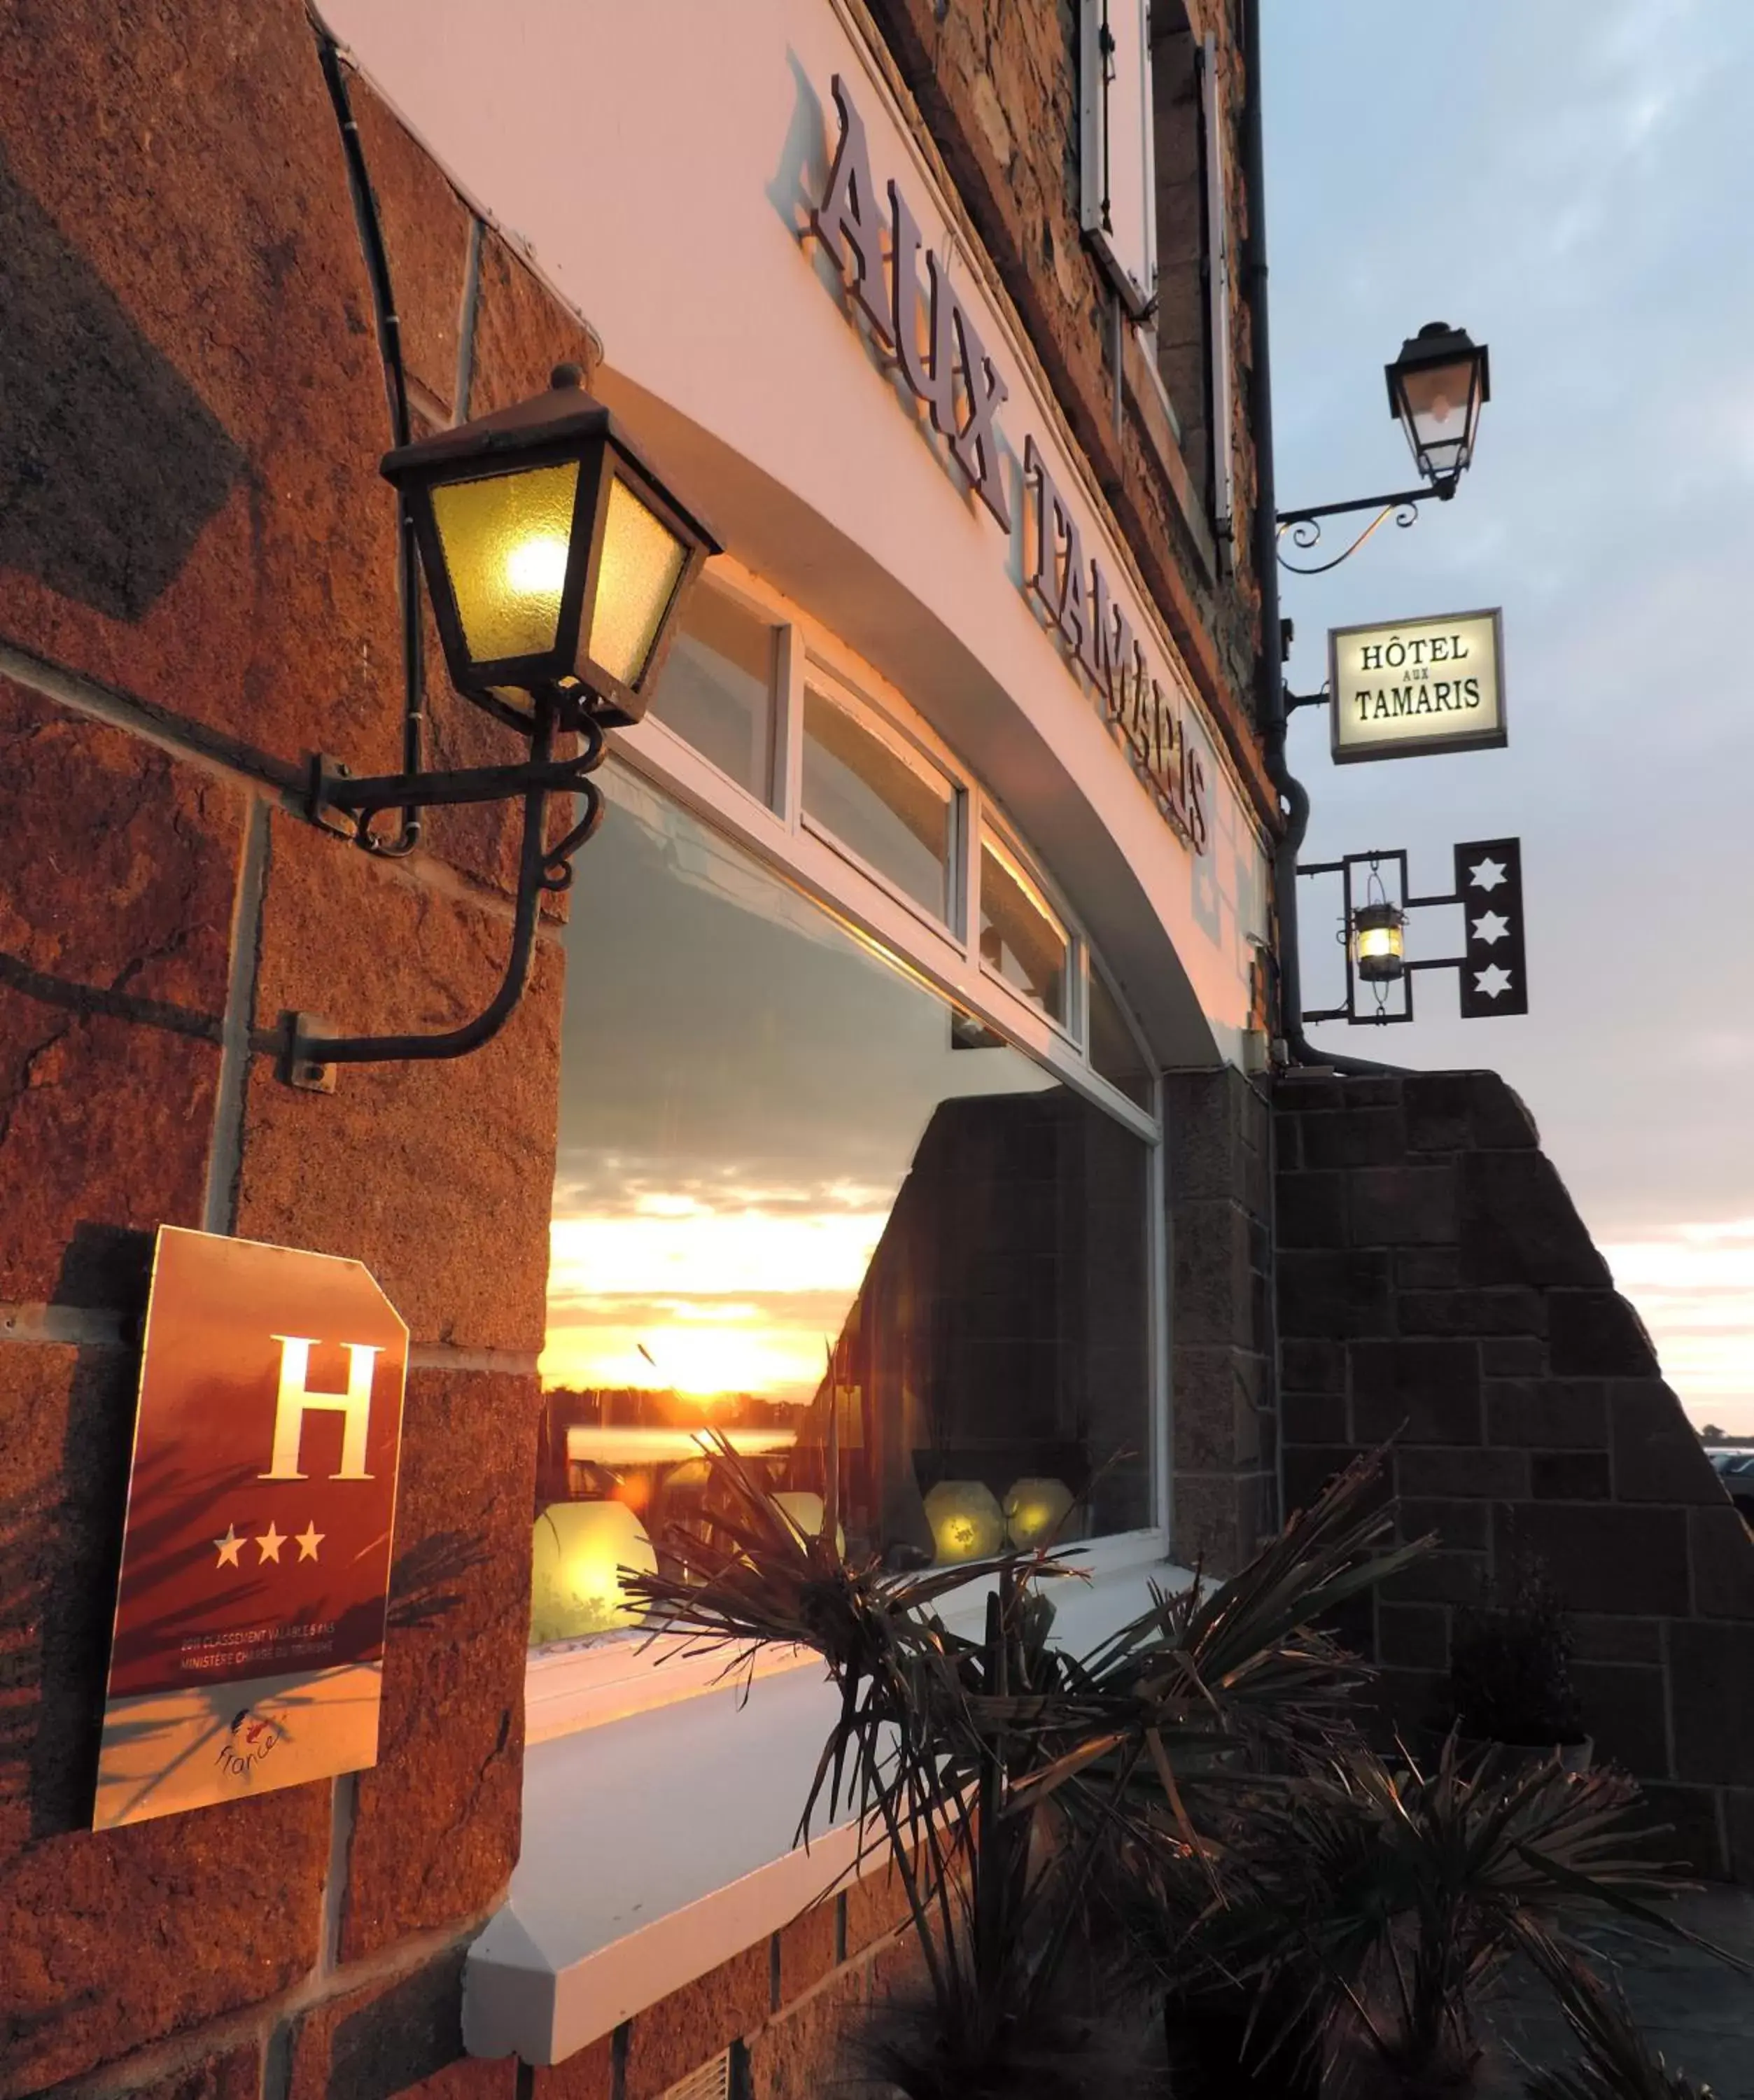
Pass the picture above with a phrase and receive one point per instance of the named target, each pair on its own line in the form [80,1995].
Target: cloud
[1693,1286]
[1609,514]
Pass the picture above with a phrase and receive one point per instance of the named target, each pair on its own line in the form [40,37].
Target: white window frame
[840,692]
[1116,156]
[1073,1028]
[569,1687]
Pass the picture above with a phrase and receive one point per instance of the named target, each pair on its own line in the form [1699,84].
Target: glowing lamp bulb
[1379,940]
[966,1521]
[1036,1511]
[536,567]
[578,1551]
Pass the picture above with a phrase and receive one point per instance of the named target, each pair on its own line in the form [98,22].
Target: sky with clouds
[1570,181]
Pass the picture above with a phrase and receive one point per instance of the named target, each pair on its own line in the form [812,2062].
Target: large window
[797,1186]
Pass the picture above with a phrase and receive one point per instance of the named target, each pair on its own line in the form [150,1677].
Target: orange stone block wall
[198,588]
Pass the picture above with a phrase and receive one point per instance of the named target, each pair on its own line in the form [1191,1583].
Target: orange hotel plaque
[255,1568]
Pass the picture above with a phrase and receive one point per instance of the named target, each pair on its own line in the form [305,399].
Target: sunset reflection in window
[788,1188]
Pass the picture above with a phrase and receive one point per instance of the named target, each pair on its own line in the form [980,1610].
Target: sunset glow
[733,1299]
[1693,1288]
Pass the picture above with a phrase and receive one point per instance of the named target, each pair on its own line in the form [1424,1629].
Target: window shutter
[1217,286]
[1116,200]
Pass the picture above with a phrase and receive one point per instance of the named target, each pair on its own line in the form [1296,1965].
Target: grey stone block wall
[1224,1496]
[1435,1285]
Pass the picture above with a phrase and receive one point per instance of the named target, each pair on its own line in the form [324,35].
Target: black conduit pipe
[1270,680]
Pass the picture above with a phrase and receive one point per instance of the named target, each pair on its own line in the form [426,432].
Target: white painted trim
[828,877]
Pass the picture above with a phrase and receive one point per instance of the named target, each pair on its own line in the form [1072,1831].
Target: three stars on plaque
[267,1544]
[1491,927]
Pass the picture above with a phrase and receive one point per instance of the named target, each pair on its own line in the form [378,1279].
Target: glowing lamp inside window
[1379,939]
[578,1551]
[1437,387]
[805,1509]
[1036,1511]
[555,558]
[966,1521]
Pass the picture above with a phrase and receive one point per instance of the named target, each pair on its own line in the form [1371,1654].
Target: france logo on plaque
[247,1652]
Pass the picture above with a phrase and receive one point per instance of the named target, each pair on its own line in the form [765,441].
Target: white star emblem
[1490,982]
[1488,876]
[1489,927]
[230,1546]
[269,1543]
[308,1540]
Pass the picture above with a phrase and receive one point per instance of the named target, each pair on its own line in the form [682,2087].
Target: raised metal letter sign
[1418,686]
[255,1567]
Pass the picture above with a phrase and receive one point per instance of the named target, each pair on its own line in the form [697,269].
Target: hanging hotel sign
[1419,685]
[247,1652]
[933,339]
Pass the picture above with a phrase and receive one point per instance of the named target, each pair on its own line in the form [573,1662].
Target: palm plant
[997,1770]
[1617,2063]
[1411,1890]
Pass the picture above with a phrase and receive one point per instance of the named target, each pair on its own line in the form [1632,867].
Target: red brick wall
[1433,1280]
[198,587]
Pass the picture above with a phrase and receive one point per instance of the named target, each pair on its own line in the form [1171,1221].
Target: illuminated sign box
[1418,685]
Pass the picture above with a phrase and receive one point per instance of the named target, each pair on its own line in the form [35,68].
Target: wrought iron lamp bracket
[308,1052]
[1305,525]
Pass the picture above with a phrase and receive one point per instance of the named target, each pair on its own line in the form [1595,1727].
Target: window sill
[567,1689]
[661,1842]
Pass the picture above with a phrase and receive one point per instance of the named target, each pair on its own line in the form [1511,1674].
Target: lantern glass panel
[1379,944]
[641,563]
[1438,397]
[505,538]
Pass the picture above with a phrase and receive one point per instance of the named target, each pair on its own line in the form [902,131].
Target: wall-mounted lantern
[553,557]
[1437,387]
[1492,970]
[556,563]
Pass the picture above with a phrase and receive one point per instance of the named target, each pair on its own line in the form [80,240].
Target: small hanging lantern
[555,558]
[1379,941]
[1437,387]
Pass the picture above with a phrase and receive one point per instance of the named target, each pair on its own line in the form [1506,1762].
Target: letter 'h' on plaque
[295,1396]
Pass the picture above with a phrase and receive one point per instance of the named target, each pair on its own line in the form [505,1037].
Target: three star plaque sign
[249,1648]
[1492,970]
[1489,884]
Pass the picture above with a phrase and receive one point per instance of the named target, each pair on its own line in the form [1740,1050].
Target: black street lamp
[556,563]
[1437,387]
